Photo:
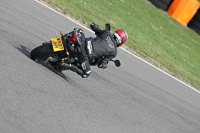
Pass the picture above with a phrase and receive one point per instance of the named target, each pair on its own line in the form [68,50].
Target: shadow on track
[24,50]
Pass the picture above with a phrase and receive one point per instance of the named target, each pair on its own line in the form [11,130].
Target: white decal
[110,43]
[89,46]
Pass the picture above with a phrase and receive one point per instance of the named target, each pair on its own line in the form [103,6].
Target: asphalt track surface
[135,98]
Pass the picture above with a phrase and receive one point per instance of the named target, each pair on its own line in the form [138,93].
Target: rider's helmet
[120,37]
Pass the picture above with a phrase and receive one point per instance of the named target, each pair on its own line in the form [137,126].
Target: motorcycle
[62,50]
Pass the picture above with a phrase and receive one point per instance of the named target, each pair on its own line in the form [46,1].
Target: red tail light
[63,42]
[74,38]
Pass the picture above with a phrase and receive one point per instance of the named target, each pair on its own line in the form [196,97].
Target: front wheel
[42,52]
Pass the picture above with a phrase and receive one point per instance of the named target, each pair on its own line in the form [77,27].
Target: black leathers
[103,46]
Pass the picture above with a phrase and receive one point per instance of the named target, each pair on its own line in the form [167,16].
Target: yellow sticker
[57,44]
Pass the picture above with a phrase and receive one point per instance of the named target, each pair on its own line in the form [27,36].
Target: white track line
[162,71]
[125,50]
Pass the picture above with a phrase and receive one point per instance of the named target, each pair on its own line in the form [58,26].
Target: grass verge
[153,35]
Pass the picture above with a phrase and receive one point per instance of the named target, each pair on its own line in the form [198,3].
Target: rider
[103,46]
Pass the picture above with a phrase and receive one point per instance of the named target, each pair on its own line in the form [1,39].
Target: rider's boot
[66,66]
[83,58]
[85,64]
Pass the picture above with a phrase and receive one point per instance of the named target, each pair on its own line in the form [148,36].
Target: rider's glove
[103,64]
[94,26]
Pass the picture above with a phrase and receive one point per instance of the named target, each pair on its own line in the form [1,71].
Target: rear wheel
[42,52]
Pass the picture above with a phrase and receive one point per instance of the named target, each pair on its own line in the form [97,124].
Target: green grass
[153,34]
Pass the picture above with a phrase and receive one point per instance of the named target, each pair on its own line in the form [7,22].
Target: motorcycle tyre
[42,52]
